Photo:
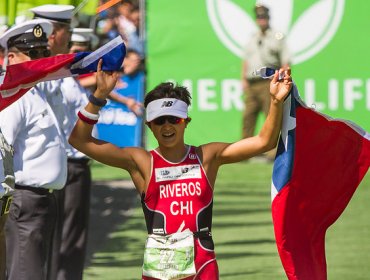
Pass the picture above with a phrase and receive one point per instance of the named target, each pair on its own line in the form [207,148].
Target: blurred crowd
[123,18]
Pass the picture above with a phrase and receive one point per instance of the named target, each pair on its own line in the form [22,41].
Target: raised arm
[223,153]
[134,160]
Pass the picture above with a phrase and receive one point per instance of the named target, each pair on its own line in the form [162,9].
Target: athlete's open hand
[279,89]
[105,81]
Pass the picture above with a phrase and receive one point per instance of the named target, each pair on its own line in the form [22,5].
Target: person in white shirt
[40,160]
[66,97]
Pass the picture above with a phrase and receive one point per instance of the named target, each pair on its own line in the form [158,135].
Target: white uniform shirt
[66,96]
[53,92]
[31,127]
[268,50]
[74,97]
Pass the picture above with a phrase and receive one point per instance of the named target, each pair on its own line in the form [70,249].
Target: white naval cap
[84,36]
[3,29]
[28,34]
[53,12]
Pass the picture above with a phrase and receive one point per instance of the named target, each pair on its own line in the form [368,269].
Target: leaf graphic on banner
[315,28]
[310,33]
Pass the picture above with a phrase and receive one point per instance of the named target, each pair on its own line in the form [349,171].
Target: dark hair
[168,90]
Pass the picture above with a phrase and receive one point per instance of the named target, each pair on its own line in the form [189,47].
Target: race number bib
[169,257]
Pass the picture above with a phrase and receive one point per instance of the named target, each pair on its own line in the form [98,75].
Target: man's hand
[280,89]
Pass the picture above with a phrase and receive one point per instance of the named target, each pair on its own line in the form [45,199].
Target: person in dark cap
[40,161]
[21,39]
[267,48]
[262,12]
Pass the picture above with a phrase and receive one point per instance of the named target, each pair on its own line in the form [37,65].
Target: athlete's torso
[178,195]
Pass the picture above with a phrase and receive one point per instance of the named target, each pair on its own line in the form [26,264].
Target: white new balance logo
[308,34]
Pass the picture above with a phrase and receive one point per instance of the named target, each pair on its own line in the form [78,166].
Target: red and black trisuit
[179,196]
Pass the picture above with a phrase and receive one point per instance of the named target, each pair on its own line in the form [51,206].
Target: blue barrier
[117,124]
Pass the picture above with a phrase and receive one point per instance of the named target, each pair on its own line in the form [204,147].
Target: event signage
[203,51]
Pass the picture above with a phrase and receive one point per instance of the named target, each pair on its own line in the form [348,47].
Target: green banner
[199,45]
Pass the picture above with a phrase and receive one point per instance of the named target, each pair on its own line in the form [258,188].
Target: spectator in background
[84,40]
[124,23]
[266,48]
[134,38]
[106,28]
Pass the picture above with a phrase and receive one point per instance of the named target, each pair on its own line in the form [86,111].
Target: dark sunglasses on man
[36,53]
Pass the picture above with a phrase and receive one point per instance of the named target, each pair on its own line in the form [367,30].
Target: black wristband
[97,101]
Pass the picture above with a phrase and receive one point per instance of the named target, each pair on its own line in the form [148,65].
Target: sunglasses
[35,53]
[171,119]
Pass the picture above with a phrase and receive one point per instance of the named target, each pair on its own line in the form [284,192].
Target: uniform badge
[38,31]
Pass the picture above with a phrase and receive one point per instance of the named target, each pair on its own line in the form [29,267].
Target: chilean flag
[319,164]
[21,77]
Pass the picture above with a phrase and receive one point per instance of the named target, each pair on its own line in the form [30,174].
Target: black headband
[61,20]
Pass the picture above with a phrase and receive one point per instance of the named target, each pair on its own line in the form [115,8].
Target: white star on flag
[289,122]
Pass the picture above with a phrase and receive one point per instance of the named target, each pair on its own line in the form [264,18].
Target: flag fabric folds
[19,78]
[319,164]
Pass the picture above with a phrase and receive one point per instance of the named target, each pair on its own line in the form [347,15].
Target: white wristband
[89,115]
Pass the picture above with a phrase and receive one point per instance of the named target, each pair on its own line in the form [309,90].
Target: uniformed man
[40,161]
[266,48]
[6,191]
[66,97]
[84,40]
